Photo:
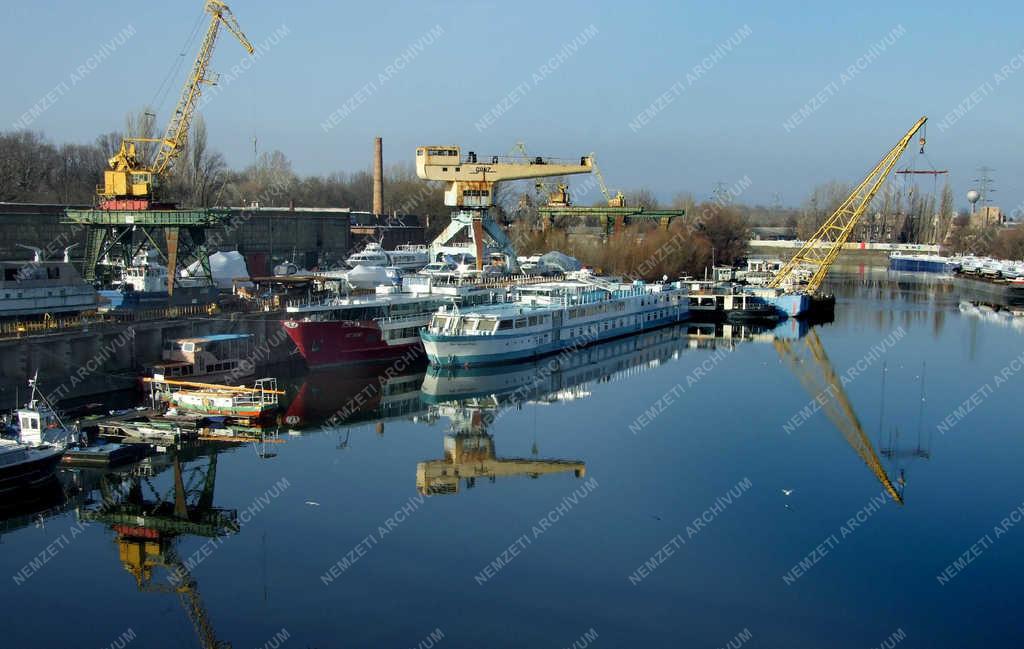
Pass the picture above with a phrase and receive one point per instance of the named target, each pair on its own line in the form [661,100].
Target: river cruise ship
[548,317]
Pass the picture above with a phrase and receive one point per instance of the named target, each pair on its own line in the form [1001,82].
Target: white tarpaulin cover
[225,266]
[561,261]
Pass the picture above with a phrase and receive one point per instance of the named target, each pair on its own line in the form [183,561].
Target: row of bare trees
[34,170]
[711,234]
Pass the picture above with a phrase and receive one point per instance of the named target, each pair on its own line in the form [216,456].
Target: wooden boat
[240,402]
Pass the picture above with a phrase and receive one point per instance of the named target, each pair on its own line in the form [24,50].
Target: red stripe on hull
[338,343]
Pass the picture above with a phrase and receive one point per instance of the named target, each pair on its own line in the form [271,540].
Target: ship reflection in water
[474,398]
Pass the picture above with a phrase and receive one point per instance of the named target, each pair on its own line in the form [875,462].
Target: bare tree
[27,164]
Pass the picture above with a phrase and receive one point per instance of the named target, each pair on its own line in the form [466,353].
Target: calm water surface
[632,497]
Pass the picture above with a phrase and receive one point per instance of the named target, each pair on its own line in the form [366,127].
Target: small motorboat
[30,460]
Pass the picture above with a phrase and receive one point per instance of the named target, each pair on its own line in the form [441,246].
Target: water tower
[972,198]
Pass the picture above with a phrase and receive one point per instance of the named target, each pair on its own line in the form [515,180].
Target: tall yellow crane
[131,180]
[469,187]
[821,250]
[837,407]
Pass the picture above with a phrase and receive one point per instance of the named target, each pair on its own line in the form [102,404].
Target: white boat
[210,358]
[367,277]
[548,317]
[438,268]
[37,287]
[31,460]
[406,257]
[143,285]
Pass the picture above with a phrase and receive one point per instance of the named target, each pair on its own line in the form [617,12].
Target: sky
[672,96]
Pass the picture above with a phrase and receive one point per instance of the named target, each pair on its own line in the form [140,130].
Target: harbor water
[854,485]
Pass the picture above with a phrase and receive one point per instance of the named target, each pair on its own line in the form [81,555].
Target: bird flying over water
[787,492]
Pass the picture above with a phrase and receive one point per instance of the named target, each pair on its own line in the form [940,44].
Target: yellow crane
[820,251]
[131,180]
[560,195]
[469,187]
[619,200]
[837,406]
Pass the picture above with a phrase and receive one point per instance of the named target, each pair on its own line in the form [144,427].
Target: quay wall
[103,358]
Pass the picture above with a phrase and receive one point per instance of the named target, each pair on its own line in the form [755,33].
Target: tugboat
[30,461]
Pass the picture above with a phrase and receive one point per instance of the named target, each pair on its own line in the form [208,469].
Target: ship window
[533,320]
[53,272]
[488,325]
[505,324]
[520,322]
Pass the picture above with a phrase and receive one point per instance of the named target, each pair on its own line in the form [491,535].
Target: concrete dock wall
[105,358]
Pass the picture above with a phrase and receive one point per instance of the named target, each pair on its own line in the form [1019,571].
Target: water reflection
[148,522]
[472,399]
[811,365]
[354,395]
[35,506]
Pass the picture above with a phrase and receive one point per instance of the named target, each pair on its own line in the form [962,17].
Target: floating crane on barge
[821,250]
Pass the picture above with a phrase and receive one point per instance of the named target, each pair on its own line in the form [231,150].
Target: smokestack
[378,177]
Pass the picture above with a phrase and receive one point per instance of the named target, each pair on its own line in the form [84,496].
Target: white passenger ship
[406,257]
[545,318]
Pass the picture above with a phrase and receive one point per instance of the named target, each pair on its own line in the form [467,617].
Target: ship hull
[474,351]
[332,343]
[919,266]
[29,474]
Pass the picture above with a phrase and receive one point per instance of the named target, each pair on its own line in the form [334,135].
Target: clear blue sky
[721,127]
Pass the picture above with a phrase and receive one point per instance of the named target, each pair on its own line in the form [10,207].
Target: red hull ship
[324,343]
[380,327]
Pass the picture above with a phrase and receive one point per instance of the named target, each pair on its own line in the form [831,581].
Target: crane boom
[177,129]
[130,181]
[821,250]
[470,183]
[619,200]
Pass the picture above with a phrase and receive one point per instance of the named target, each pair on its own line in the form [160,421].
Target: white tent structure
[225,266]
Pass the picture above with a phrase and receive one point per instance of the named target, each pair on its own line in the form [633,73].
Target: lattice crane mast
[821,250]
[131,181]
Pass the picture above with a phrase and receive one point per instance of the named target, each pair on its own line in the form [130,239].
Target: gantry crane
[820,251]
[469,187]
[128,205]
[131,180]
[837,407]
